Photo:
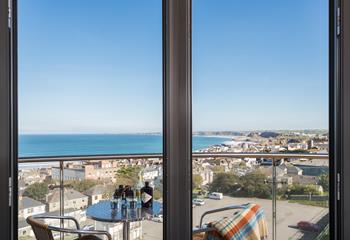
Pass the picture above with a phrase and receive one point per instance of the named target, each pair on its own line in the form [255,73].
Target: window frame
[334,127]
[8,126]
[343,108]
[177,118]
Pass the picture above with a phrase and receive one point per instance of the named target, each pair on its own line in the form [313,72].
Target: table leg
[126,231]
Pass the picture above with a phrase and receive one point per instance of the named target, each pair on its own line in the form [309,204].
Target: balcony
[294,190]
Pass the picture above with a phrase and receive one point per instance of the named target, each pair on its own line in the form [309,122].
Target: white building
[207,176]
[97,193]
[152,172]
[250,162]
[28,207]
[72,199]
[297,146]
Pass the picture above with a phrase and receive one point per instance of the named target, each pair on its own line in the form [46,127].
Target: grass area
[311,203]
[25,238]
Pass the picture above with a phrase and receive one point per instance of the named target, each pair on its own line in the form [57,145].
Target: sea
[40,145]
[94,144]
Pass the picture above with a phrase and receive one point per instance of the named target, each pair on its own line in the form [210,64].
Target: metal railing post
[274,197]
[61,197]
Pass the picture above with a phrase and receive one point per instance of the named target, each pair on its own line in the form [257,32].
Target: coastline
[215,136]
[92,144]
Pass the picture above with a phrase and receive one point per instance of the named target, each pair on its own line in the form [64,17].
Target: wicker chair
[43,231]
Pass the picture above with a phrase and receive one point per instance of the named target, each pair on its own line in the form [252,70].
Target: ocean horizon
[40,145]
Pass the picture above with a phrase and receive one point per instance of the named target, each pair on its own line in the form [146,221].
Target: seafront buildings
[106,170]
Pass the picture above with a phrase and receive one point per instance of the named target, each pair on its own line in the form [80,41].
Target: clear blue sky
[96,66]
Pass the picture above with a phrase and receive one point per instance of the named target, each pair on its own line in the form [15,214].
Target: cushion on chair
[198,236]
[248,224]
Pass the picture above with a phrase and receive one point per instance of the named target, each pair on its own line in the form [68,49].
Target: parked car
[198,202]
[158,218]
[308,226]
[215,195]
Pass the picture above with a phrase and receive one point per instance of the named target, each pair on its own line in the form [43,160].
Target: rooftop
[27,202]
[69,194]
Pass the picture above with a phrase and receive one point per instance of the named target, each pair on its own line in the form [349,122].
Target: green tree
[37,191]
[197,181]
[242,164]
[226,183]
[157,193]
[255,185]
[128,175]
[298,189]
[25,238]
[82,186]
[311,189]
[218,169]
[324,181]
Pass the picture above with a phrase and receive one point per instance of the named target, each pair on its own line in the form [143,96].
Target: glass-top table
[103,212]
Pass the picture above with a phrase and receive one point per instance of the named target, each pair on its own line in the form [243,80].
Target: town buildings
[72,199]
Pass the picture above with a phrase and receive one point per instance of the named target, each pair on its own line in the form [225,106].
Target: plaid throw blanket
[248,224]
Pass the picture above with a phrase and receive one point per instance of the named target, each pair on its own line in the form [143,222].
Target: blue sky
[87,67]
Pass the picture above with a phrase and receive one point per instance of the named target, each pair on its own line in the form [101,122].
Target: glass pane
[90,83]
[260,85]
[33,184]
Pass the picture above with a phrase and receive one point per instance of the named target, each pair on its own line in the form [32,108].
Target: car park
[215,195]
[198,202]
[158,218]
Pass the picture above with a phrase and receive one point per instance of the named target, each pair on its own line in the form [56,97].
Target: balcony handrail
[88,157]
[159,155]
